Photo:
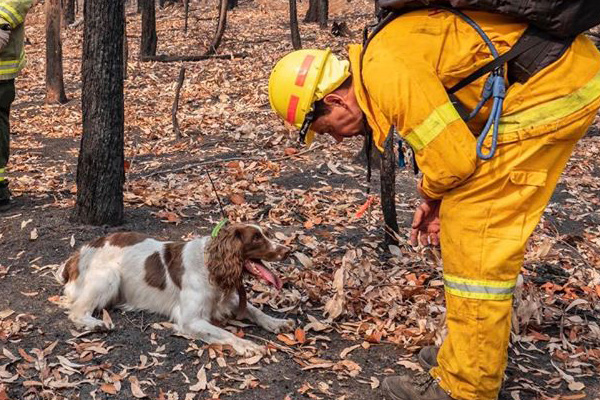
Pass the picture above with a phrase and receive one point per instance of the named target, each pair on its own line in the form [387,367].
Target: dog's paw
[246,348]
[93,324]
[276,325]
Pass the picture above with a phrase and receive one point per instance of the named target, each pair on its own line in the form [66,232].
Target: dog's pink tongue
[269,276]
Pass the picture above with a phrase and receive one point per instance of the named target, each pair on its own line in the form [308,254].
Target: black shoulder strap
[526,42]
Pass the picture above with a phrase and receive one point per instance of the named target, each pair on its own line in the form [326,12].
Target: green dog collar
[217,228]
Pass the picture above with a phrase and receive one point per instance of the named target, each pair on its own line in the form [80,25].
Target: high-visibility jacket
[12,57]
[410,63]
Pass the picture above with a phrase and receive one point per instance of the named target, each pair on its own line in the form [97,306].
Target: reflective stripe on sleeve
[1,174]
[479,289]
[433,125]
[10,15]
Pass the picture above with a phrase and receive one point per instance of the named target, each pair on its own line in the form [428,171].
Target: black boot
[5,202]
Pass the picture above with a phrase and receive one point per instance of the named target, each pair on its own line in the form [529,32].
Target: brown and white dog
[194,283]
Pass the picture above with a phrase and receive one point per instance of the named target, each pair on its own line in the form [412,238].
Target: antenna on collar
[216,194]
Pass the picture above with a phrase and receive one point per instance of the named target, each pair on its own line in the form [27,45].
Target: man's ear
[335,100]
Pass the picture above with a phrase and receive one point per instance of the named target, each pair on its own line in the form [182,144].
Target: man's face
[345,118]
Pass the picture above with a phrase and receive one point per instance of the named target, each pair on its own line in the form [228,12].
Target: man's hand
[4,37]
[426,224]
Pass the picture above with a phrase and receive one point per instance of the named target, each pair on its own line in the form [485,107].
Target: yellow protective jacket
[409,65]
[12,57]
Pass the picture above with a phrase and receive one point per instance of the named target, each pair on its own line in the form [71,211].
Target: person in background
[12,60]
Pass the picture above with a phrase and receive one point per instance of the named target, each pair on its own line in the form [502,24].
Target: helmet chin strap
[308,120]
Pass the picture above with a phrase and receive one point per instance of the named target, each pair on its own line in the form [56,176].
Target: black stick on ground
[199,57]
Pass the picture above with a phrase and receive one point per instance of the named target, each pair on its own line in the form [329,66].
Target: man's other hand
[426,224]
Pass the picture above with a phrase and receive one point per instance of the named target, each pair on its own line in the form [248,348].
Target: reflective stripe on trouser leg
[485,224]
[479,289]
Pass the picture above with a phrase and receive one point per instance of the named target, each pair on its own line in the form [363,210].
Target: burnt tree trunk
[231,4]
[312,14]
[100,166]
[149,39]
[175,107]
[186,13]
[55,87]
[323,13]
[125,44]
[214,45]
[68,11]
[388,189]
[318,11]
[295,31]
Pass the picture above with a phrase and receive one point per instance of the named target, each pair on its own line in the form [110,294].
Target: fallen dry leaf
[135,388]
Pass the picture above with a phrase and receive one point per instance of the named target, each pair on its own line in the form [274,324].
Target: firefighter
[12,60]
[481,211]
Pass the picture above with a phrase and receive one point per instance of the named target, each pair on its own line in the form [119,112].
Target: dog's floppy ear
[225,258]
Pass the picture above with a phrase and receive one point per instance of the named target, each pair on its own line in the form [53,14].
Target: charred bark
[312,14]
[388,189]
[125,44]
[295,30]
[214,45]
[68,11]
[149,38]
[318,11]
[175,107]
[323,13]
[55,87]
[100,166]
[186,13]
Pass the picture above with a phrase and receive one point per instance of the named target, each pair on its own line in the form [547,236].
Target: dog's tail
[69,270]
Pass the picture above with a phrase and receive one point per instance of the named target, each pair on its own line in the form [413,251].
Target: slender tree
[186,13]
[149,38]
[55,87]
[125,44]
[68,11]
[221,25]
[296,41]
[100,167]
[388,189]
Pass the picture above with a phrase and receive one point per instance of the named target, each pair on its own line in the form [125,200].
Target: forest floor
[365,324]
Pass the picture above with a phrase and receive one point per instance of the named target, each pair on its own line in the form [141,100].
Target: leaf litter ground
[362,311]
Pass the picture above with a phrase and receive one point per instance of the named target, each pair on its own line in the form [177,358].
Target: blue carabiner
[498,93]
[494,88]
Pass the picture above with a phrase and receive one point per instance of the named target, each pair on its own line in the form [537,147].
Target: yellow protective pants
[485,224]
